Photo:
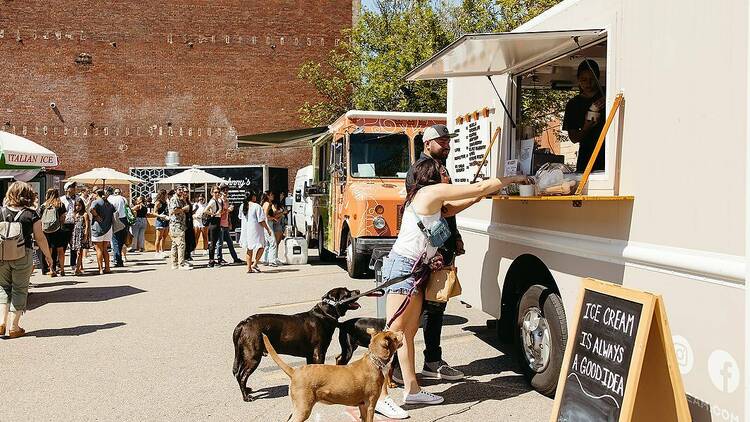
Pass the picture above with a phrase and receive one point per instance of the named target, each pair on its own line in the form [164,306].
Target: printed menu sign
[598,371]
[468,149]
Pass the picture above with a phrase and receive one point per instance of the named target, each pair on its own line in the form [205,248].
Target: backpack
[129,216]
[50,220]
[12,241]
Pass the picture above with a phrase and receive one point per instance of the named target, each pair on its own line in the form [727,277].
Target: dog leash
[376,292]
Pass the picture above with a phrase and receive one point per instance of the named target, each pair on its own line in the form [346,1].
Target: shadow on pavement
[84,294]
[271,392]
[73,331]
[497,389]
[280,270]
[129,271]
[56,284]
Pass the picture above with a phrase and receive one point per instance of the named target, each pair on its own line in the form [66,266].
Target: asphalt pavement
[148,343]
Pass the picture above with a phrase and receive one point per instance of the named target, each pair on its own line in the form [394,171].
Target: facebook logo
[724,371]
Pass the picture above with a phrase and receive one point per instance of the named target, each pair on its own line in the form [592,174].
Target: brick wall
[169,75]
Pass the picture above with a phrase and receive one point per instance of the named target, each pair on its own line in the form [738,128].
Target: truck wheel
[356,263]
[323,254]
[541,336]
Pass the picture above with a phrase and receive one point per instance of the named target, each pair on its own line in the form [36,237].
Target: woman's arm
[95,214]
[434,196]
[86,226]
[454,207]
[41,241]
[265,226]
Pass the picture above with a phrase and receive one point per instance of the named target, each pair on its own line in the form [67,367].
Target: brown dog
[357,384]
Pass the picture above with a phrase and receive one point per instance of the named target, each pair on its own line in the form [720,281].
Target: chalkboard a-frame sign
[620,362]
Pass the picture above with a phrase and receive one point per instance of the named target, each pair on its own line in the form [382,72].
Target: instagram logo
[684,352]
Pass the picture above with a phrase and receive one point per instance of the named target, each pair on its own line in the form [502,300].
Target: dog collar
[323,311]
[379,362]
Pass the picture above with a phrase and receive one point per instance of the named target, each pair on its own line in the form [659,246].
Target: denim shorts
[395,265]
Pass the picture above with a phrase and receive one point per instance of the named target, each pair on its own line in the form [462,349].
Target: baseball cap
[70,184]
[437,131]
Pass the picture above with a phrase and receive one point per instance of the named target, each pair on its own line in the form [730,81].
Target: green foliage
[365,71]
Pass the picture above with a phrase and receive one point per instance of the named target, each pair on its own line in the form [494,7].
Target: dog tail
[271,351]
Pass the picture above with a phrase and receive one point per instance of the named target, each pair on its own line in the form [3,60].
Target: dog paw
[249,398]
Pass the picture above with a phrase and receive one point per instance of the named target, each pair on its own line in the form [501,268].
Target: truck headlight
[378,222]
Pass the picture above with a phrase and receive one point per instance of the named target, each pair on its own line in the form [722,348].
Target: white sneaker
[388,408]
[186,267]
[159,255]
[174,267]
[422,397]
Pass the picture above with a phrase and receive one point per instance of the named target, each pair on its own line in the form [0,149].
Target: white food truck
[665,215]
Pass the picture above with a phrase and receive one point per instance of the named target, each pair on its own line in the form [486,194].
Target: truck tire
[541,333]
[323,254]
[356,263]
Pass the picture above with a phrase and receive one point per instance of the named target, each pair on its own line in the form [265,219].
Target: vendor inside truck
[584,115]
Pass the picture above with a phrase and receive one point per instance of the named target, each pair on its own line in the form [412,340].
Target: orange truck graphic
[359,169]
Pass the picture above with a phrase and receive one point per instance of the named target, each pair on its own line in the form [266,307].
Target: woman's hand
[48,259]
[437,262]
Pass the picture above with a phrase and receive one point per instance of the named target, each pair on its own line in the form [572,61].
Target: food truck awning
[495,54]
[280,138]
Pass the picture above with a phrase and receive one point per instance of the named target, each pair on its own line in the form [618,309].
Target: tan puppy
[357,384]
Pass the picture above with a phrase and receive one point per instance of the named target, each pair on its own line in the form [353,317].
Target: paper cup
[526,190]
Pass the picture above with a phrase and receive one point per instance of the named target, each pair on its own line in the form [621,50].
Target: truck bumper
[365,245]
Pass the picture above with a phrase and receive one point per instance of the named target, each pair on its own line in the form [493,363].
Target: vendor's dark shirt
[450,244]
[27,220]
[575,117]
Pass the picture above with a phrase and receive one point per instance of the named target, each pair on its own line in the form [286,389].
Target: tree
[366,70]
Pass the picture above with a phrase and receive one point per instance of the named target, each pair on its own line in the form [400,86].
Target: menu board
[600,361]
[468,149]
[620,362]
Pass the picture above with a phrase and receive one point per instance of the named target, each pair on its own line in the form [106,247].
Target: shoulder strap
[18,214]
[419,221]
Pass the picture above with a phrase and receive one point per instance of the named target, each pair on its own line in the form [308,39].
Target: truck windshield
[379,155]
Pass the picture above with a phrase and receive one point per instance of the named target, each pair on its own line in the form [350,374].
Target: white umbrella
[192,176]
[105,175]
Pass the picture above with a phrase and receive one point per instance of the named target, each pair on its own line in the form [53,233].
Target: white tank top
[411,242]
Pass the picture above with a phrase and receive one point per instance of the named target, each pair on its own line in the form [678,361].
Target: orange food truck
[358,191]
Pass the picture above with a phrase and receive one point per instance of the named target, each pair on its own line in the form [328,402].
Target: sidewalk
[151,343]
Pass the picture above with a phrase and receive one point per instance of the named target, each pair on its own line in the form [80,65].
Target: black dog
[353,334]
[307,334]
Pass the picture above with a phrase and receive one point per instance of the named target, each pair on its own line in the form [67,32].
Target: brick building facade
[132,80]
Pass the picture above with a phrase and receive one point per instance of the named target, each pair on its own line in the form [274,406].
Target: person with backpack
[19,226]
[53,217]
[102,215]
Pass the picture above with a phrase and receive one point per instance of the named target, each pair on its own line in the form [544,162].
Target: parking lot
[150,343]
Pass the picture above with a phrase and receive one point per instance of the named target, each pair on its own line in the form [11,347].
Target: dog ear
[371,331]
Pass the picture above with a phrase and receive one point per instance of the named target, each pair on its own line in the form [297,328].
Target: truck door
[337,195]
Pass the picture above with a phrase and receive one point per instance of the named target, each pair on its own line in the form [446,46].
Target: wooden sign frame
[654,389]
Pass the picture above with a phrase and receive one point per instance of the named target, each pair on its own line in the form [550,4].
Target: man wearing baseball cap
[437,146]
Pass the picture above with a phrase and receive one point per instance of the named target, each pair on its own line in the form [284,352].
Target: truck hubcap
[535,337]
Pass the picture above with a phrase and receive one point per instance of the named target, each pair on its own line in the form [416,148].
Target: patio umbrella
[192,176]
[105,175]
[21,158]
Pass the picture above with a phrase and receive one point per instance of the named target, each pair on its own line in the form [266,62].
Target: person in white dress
[252,236]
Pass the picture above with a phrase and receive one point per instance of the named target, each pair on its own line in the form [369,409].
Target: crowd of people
[102,219]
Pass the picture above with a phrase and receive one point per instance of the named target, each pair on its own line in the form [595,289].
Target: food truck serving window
[560,110]
[379,155]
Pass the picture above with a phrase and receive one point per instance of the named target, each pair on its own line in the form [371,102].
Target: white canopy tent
[21,158]
[105,175]
[192,176]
